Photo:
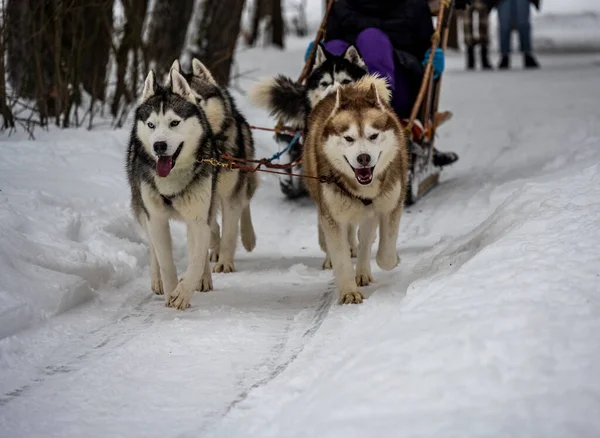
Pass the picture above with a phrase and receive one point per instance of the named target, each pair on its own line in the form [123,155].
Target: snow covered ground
[488,328]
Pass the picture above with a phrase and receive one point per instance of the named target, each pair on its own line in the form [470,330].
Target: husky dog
[356,140]
[170,179]
[234,188]
[292,102]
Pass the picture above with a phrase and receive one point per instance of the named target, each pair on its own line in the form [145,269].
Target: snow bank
[65,228]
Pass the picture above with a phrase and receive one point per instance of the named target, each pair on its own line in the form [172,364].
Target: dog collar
[366,201]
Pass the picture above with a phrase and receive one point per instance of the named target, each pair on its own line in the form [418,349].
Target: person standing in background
[518,12]
[480,7]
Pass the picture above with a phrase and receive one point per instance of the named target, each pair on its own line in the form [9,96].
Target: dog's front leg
[156,282]
[205,283]
[198,240]
[323,245]
[366,236]
[338,248]
[389,224]
[231,213]
[159,234]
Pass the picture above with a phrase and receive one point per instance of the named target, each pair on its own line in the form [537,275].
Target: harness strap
[167,200]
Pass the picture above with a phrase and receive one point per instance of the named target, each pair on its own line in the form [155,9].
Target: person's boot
[485,62]
[504,62]
[441,159]
[529,61]
[470,58]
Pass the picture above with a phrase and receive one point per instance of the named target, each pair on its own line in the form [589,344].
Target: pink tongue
[164,166]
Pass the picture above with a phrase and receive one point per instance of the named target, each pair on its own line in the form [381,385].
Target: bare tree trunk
[217,36]
[261,9]
[8,120]
[135,12]
[168,28]
[97,30]
[300,22]
[277,27]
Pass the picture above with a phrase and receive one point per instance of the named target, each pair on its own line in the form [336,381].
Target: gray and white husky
[235,188]
[291,102]
[169,178]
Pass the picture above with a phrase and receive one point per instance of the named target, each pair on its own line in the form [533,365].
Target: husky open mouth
[166,163]
[364,175]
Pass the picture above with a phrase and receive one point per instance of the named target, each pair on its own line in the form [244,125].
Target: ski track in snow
[86,350]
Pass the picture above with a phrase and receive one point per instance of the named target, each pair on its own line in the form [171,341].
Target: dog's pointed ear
[373,97]
[320,57]
[202,72]
[175,66]
[149,87]
[351,54]
[181,87]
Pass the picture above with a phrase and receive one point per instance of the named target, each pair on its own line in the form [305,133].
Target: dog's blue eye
[174,123]
[151,125]
[348,139]
[373,136]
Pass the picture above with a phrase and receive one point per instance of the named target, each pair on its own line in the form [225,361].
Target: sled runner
[421,127]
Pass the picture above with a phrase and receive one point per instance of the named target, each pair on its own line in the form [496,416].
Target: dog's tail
[284,98]
[246,227]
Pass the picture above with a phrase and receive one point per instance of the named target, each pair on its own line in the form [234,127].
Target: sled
[421,127]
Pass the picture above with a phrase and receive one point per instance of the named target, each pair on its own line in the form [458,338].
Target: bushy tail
[284,98]
[247,230]
[246,227]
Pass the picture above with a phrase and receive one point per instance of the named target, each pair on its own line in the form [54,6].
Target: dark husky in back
[292,102]
[235,188]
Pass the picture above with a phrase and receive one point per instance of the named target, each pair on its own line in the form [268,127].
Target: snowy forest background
[68,61]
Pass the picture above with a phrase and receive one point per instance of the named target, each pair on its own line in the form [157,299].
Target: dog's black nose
[160,147]
[363,159]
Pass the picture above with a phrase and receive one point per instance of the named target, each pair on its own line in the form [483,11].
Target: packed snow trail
[487,328]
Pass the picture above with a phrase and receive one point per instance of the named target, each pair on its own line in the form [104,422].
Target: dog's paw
[180,297]
[355,297]
[224,267]
[327,263]
[387,260]
[364,279]
[205,284]
[156,284]
[214,256]
[353,252]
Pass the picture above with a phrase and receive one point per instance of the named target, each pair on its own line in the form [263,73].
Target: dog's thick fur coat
[348,131]
[169,178]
